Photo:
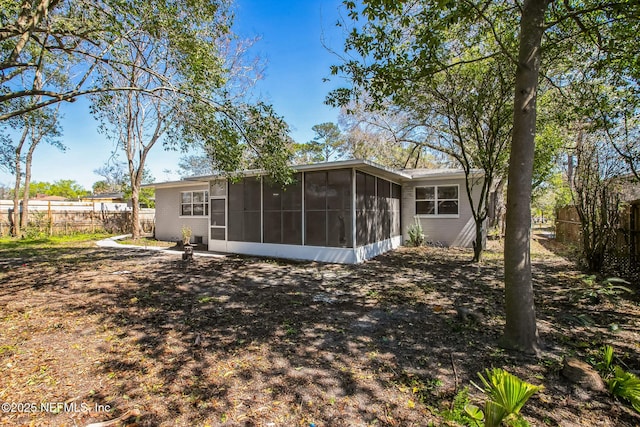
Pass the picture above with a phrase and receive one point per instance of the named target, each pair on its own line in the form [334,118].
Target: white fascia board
[174,184]
[442,173]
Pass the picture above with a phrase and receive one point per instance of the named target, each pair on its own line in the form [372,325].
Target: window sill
[193,216]
[447,216]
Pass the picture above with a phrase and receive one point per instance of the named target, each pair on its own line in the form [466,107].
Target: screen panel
[339,189]
[339,229]
[316,229]
[292,227]
[252,194]
[315,190]
[273,227]
[251,229]
[217,234]
[292,195]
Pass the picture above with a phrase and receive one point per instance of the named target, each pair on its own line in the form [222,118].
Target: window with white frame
[194,203]
[437,200]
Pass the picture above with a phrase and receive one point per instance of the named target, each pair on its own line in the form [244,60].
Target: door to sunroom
[218,215]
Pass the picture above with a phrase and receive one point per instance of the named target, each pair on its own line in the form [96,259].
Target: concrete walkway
[112,242]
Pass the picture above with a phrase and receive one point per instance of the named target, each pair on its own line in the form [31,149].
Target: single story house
[114,197]
[343,211]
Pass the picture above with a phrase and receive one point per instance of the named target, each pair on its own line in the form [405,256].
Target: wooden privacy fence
[626,254]
[55,218]
[568,227]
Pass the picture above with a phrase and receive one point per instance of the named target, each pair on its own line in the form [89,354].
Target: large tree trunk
[135,212]
[521,332]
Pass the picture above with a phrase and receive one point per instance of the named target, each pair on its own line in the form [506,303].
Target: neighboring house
[47,197]
[345,211]
[115,197]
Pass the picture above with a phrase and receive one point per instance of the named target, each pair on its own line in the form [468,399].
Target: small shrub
[620,383]
[416,236]
[186,234]
[626,386]
[38,226]
[610,288]
[507,394]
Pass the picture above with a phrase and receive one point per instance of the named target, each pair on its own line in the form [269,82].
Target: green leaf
[626,386]
[616,280]
[474,412]
[494,414]
[507,390]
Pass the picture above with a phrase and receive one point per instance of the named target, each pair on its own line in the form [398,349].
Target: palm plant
[620,383]
[507,395]
[416,235]
[625,385]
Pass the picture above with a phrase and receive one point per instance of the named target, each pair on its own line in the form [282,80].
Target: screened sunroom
[345,211]
[340,214]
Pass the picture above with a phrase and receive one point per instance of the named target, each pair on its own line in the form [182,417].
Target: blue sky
[291,43]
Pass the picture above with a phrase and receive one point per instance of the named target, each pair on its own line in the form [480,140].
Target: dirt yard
[87,334]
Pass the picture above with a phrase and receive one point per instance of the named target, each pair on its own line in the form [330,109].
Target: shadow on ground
[257,342]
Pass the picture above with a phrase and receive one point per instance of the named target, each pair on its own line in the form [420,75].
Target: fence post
[50,219]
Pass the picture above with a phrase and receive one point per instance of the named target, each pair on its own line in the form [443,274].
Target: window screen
[282,214]
[377,209]
[328,199]
[244,210]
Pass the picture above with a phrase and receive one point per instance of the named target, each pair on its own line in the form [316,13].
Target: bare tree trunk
[135,175]
[24,219]
[521,332]
[478,243]
[135,178]
[15,217]
[29,127]
[497,206]
[135,212]
[570,170]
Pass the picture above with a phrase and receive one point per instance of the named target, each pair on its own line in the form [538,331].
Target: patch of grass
[47,246]
[12,243]
[456,413]
[421,388]
[7,350]
[289,328]
[146,241]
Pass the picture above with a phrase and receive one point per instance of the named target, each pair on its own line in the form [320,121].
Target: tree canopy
[73,38]
[67,188]
[168,71]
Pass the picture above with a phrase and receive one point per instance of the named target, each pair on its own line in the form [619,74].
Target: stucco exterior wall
[457,232]
[169,223]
